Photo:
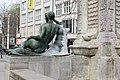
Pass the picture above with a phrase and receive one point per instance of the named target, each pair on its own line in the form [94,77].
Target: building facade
[32,19]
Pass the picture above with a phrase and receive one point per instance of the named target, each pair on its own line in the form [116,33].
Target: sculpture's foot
[13,52]
[21,51]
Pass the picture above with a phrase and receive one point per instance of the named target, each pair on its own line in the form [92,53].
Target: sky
[8,2]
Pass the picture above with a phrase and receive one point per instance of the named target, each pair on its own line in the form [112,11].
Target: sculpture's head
[51,15]
[46,17]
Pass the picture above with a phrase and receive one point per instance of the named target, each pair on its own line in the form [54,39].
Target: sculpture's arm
[57,22]
[38,37]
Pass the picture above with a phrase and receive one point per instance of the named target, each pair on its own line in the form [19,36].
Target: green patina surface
[38,44]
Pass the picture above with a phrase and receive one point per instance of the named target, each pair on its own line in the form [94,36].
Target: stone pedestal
[72,67]
[105,68]
[80,67]
[59,68]
[4,68]
[101,39]
[87,25]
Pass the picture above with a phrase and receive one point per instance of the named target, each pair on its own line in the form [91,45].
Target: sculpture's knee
[32,44]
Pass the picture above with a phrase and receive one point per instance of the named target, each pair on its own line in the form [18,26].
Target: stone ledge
[57,67]
[117,48]
[4,67]
[25,74]
[85,51]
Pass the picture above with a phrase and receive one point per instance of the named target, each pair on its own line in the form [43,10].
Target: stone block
[80,67]
[55,67]
[25,74]
[117,50]
[11,78]
[86,51]
[17,62]
[4,68]
[18,65]
[61,66]
[3,76]
[105,68]
[116,68]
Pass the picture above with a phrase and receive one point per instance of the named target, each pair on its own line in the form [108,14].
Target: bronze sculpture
[38,44]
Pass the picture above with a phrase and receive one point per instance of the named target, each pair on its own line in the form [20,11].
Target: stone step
[25,74]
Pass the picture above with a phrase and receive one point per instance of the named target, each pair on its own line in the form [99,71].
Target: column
[26,19]
[34,18]
[42,12]
[104,65]
[81,20]
[4,68]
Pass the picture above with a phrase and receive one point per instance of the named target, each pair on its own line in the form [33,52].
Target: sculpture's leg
[17,51]
[32,44]
[26,51]
[39,50]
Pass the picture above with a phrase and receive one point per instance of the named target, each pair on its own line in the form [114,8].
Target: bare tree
[13,10]
[2,19]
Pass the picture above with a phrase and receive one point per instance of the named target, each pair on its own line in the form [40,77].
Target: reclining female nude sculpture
[38,44]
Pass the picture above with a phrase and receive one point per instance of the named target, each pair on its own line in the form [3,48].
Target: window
[66,7]
[23,18]
[30,30]
[47,9]
[58,9]
[38,14]
[23,31]
[30,16]
[37,2]
[37,29]
[68,24]
[23,5]
[24,34]
[46,0]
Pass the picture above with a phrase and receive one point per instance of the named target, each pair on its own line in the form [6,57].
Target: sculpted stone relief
[92,28]
[107,16]
[79,15]
[111,16]
[102,13]
[117,18]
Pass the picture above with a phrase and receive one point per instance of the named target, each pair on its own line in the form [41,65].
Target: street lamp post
[8,35]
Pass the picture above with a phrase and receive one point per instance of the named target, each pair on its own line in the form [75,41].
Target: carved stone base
[86,51]
[86,48]
[105,68]
[118,50]
[80,67]
[4,67]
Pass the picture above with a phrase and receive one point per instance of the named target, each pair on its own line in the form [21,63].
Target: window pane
[23,5]
[38,14]
[23,19]
[30,16]
[66,7]
[37,2]
[68,24]
[58,9]
[46,0]
[30,30]
[37,29]
[47,9]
